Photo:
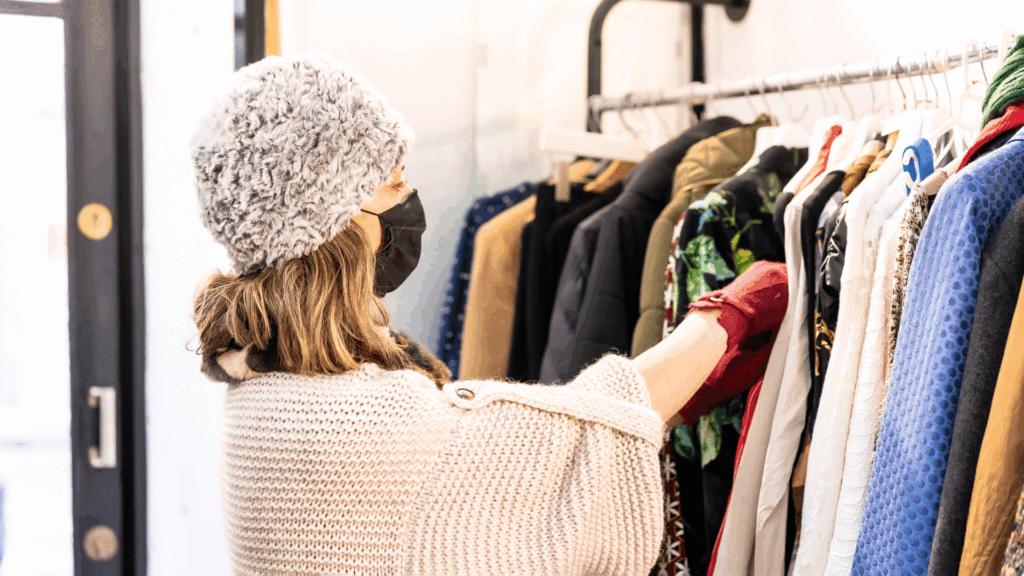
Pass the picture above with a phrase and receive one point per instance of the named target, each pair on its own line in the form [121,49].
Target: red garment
[822,161]
[752,307]
[1012,119]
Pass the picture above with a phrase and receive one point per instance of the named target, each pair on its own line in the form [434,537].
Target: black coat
[611,304]
[572,286]
[538,273]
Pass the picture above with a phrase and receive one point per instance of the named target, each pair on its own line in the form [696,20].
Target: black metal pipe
[255,31]
[697,50]
[735,9]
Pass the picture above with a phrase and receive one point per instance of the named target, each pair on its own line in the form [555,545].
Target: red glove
[752,307]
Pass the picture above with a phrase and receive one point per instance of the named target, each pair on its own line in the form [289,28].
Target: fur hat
[287,155]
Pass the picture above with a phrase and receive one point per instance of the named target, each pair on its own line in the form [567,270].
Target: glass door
[35,409]
[72,460]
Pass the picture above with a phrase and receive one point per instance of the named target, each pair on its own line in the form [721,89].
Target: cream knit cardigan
[379,472]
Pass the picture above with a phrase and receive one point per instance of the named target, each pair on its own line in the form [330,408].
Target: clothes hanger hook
[1009,35]
[785,101]
[688,105]
[871,85]
[945,76]
[831,95]
[750,101]
[910,80]
[715,91]
[839,84]
[661,119]
[829,76]
[641,111]
[626,100]
[888,90]
[933,63]
[966,60]
[826,76]
[898,85]
[764,88]
[821,93]
[924,80]
[922,63]
[917,102]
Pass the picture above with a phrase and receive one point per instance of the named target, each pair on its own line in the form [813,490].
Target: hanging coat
[611,304]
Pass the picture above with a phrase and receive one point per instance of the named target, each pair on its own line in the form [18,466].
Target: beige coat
[491,297]
[707,163]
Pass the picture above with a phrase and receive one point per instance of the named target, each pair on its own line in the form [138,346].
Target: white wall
[187,52]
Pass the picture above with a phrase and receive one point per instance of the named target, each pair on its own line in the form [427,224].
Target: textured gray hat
[288,154]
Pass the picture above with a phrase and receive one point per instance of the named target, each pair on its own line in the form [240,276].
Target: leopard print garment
[1013,561]
[910,233]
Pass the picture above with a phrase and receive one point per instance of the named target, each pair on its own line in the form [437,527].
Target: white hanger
[817,141]
[833,119]
[667,132]
[935,123]
[913,89]
[791,134]
[847,141]
[1009,35]
[768,133]
[949,125]
[908,123]
[750,101]
[764,136]
[970,124]
[711,101]
[622,116]
[562,145]
[867,126]
[688,107]
[647,133]
[899,120]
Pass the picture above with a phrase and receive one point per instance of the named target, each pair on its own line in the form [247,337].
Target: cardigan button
[465,394]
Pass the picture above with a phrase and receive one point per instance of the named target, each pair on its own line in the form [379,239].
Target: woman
[344,451]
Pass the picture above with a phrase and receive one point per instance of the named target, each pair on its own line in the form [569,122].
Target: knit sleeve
[614,376]
[610,392]
[566,478]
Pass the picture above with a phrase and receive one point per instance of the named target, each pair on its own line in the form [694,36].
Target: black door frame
[106,287]
[105,276]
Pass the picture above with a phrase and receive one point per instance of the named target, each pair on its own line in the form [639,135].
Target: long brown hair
[319,311]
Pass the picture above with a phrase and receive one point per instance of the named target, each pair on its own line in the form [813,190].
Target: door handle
[105,456]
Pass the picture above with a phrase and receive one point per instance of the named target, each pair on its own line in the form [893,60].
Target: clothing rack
[886,69]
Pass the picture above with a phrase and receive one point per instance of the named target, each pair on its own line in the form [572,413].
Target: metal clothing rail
[886,69]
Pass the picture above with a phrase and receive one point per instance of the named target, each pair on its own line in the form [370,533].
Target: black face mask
[403,225]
